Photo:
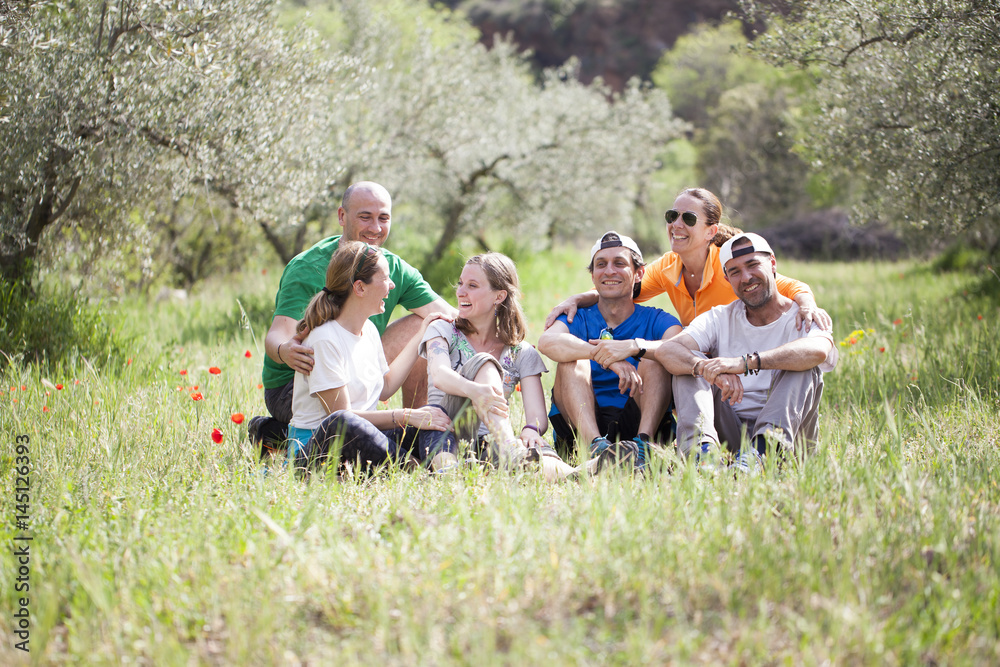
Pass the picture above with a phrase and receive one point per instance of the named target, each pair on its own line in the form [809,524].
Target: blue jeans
[351,439]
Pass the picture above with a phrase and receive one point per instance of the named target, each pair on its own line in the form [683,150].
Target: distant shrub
[55,326]
[959,257]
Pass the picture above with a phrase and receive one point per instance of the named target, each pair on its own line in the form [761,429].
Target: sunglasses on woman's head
[689,218]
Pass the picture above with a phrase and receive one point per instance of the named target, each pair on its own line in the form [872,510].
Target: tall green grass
[154,544]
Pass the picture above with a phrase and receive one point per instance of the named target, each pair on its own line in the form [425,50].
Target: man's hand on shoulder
[569,307]
[297,356]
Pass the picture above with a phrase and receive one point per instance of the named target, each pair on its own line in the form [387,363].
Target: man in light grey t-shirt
[744,370]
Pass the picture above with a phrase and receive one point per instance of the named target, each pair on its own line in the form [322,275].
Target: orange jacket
[664,275]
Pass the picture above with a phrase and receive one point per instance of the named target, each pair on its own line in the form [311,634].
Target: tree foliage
[909,94]
[104,105]
[114,112]
[468,142]
[742,110]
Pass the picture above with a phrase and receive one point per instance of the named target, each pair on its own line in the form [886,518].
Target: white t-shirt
[725,331]
[342,360]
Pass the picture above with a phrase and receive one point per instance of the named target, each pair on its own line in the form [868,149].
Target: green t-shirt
[306,274]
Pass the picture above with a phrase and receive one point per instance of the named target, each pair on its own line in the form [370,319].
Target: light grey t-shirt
[518,361]
[725,331]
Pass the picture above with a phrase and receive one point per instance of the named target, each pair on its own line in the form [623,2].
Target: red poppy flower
[45,408]
[214,370]
[517,387]
[184,372]
[23,388]
[217,436]
[195,387]
[48,393]
[979,317]
[237,418]
[59,387]
[247,354]
[128,362]
[853,341]
[260,386]
[896,322]
[76,382]
[881,349]
[196,396]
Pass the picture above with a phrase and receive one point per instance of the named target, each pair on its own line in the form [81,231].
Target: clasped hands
[613,355]
[724,373]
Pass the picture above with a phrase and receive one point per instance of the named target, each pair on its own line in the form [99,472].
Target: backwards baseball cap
[615,240]
[757,244]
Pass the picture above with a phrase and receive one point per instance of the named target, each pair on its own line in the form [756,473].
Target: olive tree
[105,105]
[908,94]
[469,141]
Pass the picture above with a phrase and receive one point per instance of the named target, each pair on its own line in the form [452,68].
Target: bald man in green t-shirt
[366,215]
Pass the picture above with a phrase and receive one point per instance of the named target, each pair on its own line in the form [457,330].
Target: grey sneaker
[749,463]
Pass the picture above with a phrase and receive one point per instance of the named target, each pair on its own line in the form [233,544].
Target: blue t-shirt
[646,323]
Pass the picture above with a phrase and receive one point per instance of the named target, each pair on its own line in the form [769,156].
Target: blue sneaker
[642,451]
[706,457]
[598,445]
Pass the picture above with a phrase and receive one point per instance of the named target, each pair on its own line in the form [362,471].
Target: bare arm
[809,313]
[284,346]
[678,355]
[559,345]
[403,363]
[570,306]
[484,397]
[438,305]
[535,414]
[609,351]
[426,418]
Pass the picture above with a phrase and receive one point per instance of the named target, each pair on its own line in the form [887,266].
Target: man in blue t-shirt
[609,389]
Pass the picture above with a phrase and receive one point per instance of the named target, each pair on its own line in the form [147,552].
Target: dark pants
[352,439]
[274,429]
[617,424]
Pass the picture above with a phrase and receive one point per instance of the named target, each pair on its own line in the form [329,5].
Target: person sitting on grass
[476,362]
[691,274]
[336,404]
[366,215]
[608,391]
[746,369]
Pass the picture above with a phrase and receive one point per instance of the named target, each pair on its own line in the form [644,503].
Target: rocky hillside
[613,39]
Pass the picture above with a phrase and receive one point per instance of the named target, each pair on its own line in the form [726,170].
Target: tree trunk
[18,255]
[454,211]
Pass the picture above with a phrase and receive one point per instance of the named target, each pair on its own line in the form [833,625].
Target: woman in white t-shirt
[338,401]
[476,362]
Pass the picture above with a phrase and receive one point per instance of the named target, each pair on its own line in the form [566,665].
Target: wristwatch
[642,349]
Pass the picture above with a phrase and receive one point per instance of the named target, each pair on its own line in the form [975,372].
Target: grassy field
[154,544]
